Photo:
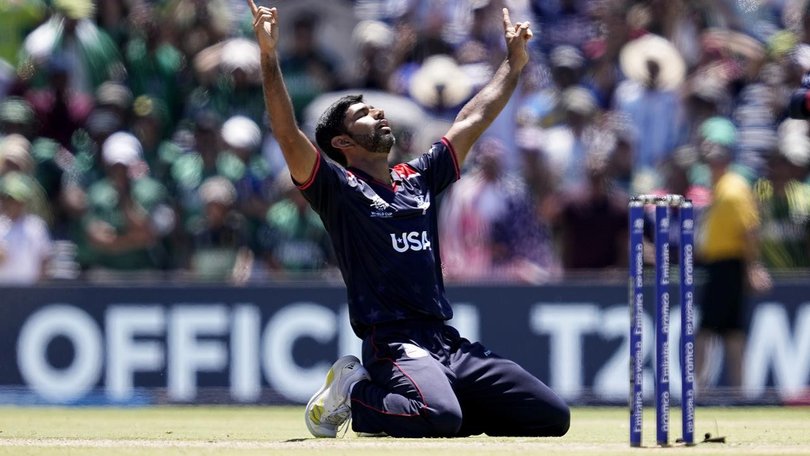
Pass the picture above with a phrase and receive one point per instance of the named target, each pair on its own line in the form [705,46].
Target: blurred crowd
[134,142]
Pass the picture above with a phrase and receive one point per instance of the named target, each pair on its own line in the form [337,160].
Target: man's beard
[378,142]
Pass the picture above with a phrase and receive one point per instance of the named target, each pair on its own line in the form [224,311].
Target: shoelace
[341,418]
[344,428]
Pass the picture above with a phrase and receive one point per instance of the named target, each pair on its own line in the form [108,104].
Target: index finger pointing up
[253,8]
[507,23]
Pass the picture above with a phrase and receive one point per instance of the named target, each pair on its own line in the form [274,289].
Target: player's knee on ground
[550,420]
[445,422]
[555,421]
[556,417]
[560,423]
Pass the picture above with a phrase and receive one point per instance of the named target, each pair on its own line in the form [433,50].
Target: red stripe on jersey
[447,143]
[311,177]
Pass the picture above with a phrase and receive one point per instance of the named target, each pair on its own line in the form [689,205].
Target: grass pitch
[281,431]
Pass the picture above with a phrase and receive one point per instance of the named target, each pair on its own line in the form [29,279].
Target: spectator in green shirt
[293,240]
[220,243]
[127,213]
[784,204]
[17,19]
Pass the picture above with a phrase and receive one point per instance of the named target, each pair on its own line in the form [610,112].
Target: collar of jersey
[371,180]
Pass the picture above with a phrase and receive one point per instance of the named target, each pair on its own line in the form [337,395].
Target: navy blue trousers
[427,381]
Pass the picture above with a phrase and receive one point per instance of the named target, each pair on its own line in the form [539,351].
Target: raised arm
[477,115]
[298,151]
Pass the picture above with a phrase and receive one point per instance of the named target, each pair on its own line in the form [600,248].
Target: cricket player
[418,377]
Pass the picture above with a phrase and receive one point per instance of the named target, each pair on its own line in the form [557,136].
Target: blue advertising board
[273,344]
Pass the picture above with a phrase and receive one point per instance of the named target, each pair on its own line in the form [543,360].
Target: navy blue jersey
[385,236]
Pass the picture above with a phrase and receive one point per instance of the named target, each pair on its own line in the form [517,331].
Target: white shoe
[330,407]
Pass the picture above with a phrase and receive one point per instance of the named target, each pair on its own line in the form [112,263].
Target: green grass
[281,431]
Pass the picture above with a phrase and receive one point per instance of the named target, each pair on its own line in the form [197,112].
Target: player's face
[369,128]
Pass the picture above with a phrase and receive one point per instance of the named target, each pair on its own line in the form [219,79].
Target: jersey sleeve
[439,165]
[324,185]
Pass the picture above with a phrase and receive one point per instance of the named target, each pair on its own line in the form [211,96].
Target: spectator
[784,201]
[155,67]
[705,96]
[24,239]
[51,170]
[308,69]
[220,243]
[677,180]
[86,166]
[541,106]
[198,158]
[60,108]
[7,78]
[480,46]
[422,38]
[193,25]
[17,116]
[621,127]
[248,169]
[440,86]
[116,97]
[149,124]
[429,22]
[649,97]
[294,239]
[127,215]
[111,15]
[65,81]
[591,220]
[376,47]
[756,120]
[229,80]
[16,158]
[490,231]
[563,22]
[17,19]
[71,33]
[15,155]
[566,144]
[729,248]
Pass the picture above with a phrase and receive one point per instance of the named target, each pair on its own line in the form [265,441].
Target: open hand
[517,37]
[265,26]
[759,280]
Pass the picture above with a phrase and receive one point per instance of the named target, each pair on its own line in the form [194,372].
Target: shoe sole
[336,368]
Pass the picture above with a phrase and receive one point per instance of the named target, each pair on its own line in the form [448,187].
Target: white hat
[800,55]
[16,149]
[112,93]
[217,189]
[566,56]
[794,143]
[440,82]
[579,100]
[240,53]
[635,55]
[796,149]
[241,133]
[373,33]
[122,148]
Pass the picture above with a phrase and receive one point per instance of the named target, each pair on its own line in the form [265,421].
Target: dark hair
[331,124]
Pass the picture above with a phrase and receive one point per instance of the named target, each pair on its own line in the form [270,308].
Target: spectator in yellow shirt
[729,248]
